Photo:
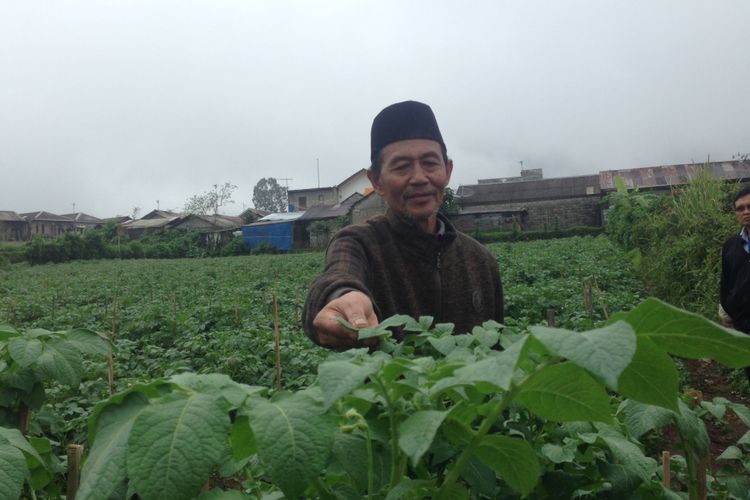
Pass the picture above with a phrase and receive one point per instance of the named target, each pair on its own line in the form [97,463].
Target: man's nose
[419,175]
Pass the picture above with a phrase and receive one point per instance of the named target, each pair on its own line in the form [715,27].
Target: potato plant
[437,416]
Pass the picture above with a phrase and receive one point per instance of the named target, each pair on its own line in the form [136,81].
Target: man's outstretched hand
[354,307]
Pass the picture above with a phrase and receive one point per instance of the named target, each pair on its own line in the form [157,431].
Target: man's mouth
[419,196]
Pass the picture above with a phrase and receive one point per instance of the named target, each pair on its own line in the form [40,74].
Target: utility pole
[157,204]
[74,207]
[317,161]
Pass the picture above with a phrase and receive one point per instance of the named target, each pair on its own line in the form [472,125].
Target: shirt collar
[743,234]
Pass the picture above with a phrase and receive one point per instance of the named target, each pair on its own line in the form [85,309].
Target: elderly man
[410,260]
[734,308]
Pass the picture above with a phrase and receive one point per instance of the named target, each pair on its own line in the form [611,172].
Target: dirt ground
[709,380]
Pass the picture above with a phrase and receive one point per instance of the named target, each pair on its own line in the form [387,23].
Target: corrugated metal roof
[45,216]
[10,216]
[332,211]
[672,175]
[148,223]
[281,217]
[543,189]
[82,217]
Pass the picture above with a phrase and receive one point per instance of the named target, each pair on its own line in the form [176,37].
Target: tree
[269,195]
[135,213]
[210,201]
[449,205]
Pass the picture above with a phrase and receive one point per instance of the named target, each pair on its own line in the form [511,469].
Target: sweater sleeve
[346,268]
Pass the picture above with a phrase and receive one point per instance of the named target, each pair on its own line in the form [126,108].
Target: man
[735,271]
[410,260]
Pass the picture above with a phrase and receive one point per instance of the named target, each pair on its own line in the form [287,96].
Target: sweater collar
[408,228]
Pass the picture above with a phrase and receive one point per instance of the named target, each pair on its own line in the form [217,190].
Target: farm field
[216,316]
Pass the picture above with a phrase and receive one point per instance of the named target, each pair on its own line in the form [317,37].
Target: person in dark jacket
[735,271]
[410,260]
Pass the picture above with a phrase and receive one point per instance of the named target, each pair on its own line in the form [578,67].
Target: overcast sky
[116,104]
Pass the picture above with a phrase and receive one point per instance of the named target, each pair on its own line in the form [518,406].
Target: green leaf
[605,352]
[339,378]
[558,454]
[496,370]
[689,335]
[217,494]
[693,430]
[640,418]
[13,471]
[104,473]
[411,489]
[731,453]
[742,412]
[351,452]
[565,392]
[217,383]
[15,438]
[242,439]
[88,341]
[631,457]
[294,440]
[444,345]
[417,432]
[513,460]
[24,350]
[651,377]
[60,361]
[175,443]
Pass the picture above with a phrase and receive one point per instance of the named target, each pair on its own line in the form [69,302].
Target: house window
[302,201]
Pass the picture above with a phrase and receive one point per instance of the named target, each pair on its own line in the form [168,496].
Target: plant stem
[249,475]
[370,466]
[325,493]
[394,434]
[487,423]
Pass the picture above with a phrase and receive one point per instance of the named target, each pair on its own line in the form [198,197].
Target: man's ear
[374,181]
[449,170]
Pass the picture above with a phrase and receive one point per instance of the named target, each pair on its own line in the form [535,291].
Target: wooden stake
[702,487]
[551,317]
[111,372]
[75,451]
[12,312]
[666,473]
[54,297]
[236,312]
[24,418]
[277,341]
[174,313]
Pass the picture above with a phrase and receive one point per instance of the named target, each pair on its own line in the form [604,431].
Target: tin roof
[45,216]
[85,218]
[332,211]
[10,216]
[671,175]
[542,189]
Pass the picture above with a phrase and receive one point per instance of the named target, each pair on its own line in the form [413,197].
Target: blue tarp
[279,234]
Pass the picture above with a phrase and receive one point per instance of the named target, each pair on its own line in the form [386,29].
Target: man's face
[742,211]
[412,177]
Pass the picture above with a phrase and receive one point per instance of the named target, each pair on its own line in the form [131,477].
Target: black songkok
[403,121]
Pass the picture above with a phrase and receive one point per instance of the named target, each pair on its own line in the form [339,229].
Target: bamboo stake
[551,317]
[75,451]
[666,473]
[236,312]
[12,311]
[602,304]
[277,341]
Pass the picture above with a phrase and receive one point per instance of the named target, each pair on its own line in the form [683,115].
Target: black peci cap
[403,121]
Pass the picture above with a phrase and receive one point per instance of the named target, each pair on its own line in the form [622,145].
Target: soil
[707,381]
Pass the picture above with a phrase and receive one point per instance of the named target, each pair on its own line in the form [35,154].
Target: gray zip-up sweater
[405,271]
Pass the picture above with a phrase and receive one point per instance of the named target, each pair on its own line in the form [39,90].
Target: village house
[303,199]
[13,227]
[84,221]
[48,224]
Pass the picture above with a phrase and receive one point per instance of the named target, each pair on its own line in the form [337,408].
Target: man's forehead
[743,200]
[411,147]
